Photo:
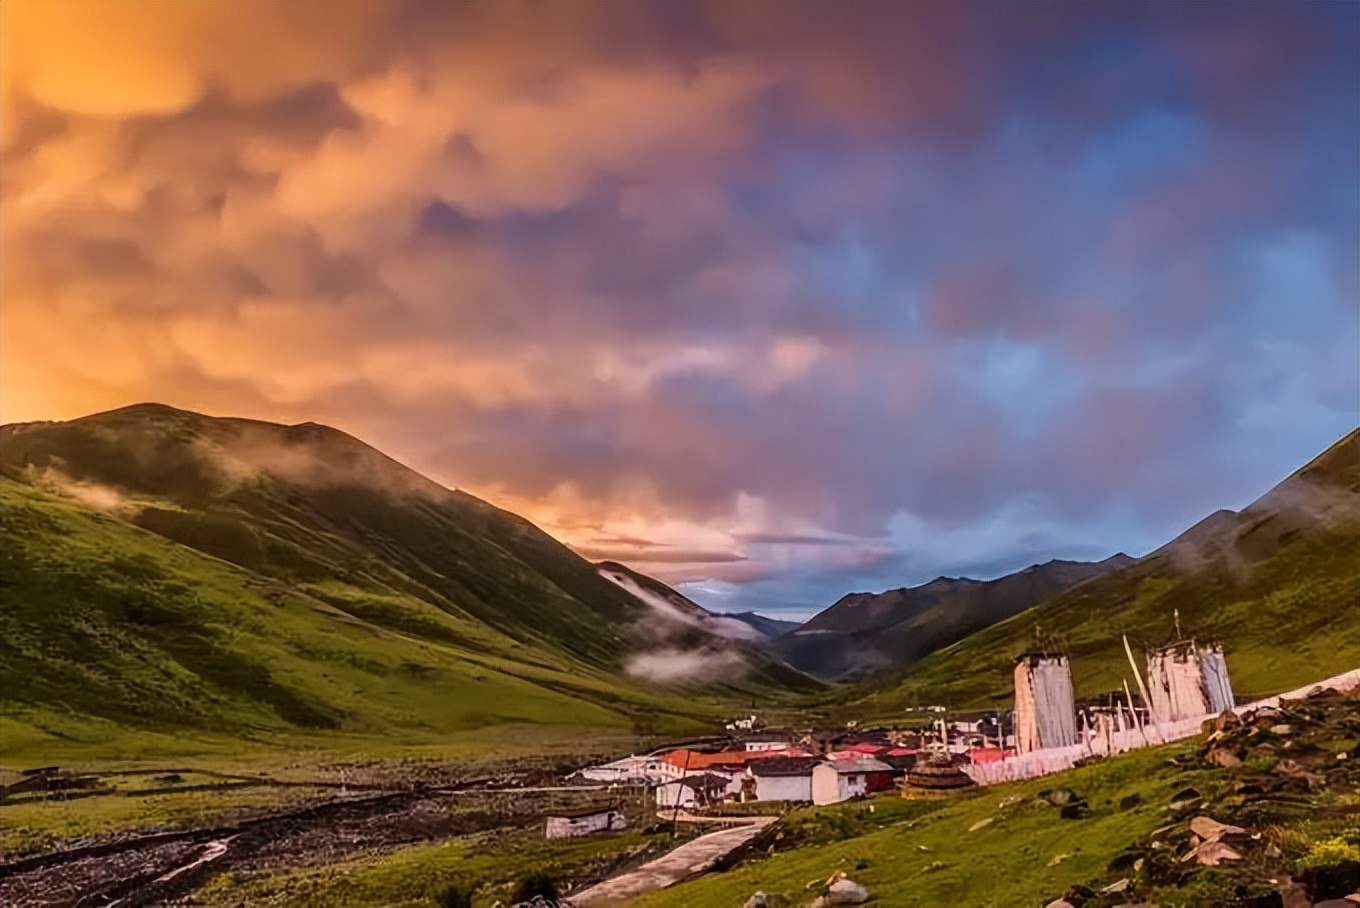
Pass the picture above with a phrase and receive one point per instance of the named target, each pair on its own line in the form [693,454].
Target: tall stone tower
[1187,680]
[1045,714]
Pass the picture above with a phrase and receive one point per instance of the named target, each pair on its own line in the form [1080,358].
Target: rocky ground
[1270,818]
[150,866]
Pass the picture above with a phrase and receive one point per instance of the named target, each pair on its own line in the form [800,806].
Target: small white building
[701,790]
[648,769]
[783,778]
[764,743]
[564,825]
[839,780]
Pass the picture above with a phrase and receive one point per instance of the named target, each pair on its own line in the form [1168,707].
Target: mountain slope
[670,603]
[1278,582]
[768,627]
[868,633]
[166,566]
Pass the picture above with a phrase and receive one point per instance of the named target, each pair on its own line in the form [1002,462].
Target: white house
[840,780]
[583,822]
[783,778]
[633,769]
[766,743]
[700,790]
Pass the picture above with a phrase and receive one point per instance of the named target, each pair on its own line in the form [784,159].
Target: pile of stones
[1272,819]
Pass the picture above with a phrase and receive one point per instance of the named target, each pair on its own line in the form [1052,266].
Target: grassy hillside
[1279,583]
[167,572]
[108,621]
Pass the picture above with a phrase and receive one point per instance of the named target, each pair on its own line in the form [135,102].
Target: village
[1047,731]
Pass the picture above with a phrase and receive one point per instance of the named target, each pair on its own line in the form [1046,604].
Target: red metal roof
[866,748]
[692,760]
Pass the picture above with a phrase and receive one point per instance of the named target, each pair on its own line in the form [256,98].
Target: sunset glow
[775,300]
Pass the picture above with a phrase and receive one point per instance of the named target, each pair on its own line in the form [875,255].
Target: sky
[774,301]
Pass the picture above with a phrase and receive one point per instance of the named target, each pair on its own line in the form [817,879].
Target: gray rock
[1210,830]
[1060,796]
[1222,757]
[760,899]
[846,892]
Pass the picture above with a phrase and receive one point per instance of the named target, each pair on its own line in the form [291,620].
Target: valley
[251,664]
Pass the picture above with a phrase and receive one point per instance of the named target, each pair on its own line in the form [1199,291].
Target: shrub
[455,897]
[535,885]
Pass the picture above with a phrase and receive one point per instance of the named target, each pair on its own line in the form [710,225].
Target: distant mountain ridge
[864,634]
[1278,582]
[770,627]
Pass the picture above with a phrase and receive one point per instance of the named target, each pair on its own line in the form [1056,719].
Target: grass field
[492,863]
[118,644]
[922,852]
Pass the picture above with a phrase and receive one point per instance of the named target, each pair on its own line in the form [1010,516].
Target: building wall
[567,827]
[759,746]
[1045,712]
[672,792]
[1217,686]
[784,788]
[631,769]
[1185,681]
[1176,684]
[827,787]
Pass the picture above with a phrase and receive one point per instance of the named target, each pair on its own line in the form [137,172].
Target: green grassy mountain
[168,569]
[1278,583]
[865,634]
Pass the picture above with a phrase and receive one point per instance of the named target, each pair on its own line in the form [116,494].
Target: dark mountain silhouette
[864,634]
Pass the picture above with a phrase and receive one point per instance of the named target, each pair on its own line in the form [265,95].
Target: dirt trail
[689,859]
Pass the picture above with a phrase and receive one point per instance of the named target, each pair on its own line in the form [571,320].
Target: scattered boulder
[846,892]
[981,824]
[1075,811]
[1294,894]
[1060,796]
[1210,830]
[1128,802]
[1120,886]
[760,899]
[1334,881]
[1185,797]
[1222,757]
[1211,854]
[1283,730]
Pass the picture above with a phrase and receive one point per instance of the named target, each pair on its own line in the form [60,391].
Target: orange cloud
[117,58]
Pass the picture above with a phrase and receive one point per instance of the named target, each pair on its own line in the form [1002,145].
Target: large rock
[1220,756]
[846,892]
[760,899]
[1211,854]
[1060,796]
[1210,830]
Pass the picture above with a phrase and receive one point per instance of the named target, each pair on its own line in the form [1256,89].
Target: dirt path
[691,858]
